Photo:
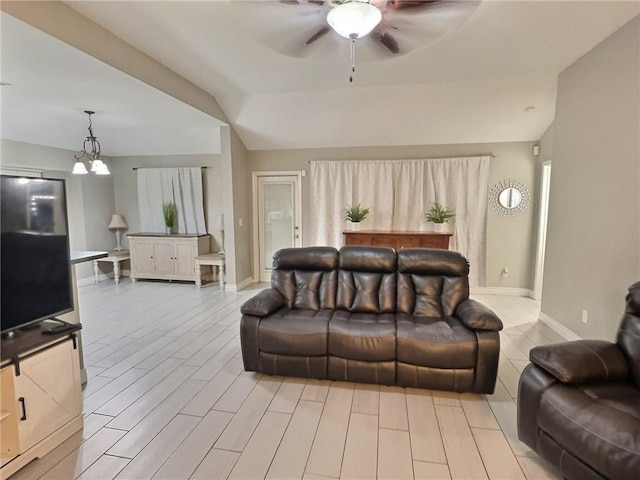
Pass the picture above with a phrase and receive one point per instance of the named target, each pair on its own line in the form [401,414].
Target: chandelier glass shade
[354,19]
[92,155]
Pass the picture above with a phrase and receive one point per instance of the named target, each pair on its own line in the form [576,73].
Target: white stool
[115,257]
[213,259]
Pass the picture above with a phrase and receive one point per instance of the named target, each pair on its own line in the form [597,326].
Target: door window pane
[278,219]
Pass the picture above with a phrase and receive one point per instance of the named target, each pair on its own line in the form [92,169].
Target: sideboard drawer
[398,240]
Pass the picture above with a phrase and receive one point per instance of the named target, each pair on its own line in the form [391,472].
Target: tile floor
[167,398]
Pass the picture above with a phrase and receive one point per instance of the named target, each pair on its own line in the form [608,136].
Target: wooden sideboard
[397,239]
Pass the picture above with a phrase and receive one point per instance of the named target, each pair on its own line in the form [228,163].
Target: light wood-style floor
[167,398]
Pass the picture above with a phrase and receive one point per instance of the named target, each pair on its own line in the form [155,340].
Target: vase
[440,227]
[168,230]
[354,226]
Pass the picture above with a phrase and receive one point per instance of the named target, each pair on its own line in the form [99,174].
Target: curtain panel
[399,193]
[182,186]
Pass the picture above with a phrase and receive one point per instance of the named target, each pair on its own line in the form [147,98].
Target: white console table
[114,257]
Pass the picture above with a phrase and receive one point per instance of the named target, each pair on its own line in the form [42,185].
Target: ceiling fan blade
[407,4]
[388,41]
[302,2]
[320,33]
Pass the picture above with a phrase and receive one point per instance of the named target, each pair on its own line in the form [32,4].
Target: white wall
[242,207]
[593,236]
[509,240]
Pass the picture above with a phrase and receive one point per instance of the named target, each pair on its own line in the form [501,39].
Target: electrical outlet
[241,222]
[585,316]
[505,272]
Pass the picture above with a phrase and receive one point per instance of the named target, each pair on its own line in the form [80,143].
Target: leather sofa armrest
[534,381]
[263,304]
[476,316]
[582,361]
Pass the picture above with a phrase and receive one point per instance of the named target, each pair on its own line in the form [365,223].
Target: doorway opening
[545,182]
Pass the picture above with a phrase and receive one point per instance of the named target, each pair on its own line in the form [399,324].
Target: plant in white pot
[169,212]
[439,215]
[354,215]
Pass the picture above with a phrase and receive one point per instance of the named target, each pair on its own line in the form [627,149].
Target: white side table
[213,259]
[114,257]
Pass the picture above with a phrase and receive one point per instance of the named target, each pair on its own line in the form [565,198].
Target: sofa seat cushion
[295,332]
[598,423]
[435,342]
[363,336]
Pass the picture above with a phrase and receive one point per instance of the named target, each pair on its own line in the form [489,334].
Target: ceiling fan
[383,20]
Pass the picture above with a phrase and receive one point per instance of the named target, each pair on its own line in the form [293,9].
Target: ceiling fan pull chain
[353,59]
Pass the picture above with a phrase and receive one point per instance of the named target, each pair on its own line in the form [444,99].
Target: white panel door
[278,216]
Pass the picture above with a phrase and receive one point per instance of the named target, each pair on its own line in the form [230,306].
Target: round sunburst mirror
[509,197]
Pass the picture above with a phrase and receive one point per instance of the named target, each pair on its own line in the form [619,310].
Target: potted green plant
[169,213]
[439,215]
[355,214]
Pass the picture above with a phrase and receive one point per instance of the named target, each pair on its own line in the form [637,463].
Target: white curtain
[182,186]
[399,193]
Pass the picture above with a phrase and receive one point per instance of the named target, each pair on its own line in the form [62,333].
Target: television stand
[35,417]
[61,327]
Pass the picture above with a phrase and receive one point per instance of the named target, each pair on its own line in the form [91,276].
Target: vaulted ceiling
[490,77]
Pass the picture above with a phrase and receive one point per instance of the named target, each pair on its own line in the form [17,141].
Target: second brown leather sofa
[369,314]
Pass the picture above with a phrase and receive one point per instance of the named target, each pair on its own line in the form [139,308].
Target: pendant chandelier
[96,165]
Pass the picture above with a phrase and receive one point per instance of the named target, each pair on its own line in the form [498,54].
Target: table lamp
[117,223]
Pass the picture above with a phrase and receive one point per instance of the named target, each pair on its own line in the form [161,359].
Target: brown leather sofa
[369,314]
[579,403]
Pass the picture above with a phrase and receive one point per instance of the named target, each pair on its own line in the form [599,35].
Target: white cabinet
[167,257]
[41,398]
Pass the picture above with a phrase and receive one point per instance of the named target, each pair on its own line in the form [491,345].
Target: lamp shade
[102,169]
[79,168]
[97,164]
[354,19]
[117,222]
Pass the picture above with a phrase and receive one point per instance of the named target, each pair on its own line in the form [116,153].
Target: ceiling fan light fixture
[354,19]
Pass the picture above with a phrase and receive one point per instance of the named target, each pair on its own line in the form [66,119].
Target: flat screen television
[35,281]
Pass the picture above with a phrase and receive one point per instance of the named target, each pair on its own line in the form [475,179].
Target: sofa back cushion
[431,282]
[629,332]
[306,277]
[367,279]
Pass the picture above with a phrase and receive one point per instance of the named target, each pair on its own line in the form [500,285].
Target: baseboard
[101,277]
[510,291]
[558,327]
[82,282]
[236,287]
